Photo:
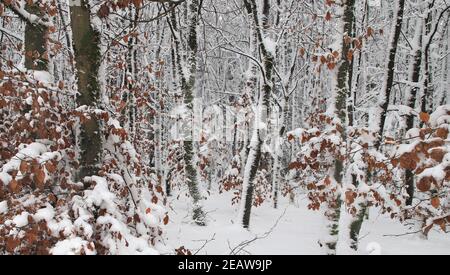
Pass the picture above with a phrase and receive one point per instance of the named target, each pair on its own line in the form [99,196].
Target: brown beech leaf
[14,186]
[103,11]
[370,32]
[335,54]
[395,162]
[155,199]
[52,198]
[61,85]
[435,202]
[136,218]
[350,55]
[295,165]
[424,117]
[409,161]
[331,66]
[347,40]
[437,154]
[349,197]
[443,226]
[31,237]
[424,184]
[159,189]
[442,133]
[137,3]
[291,138]
[12,244]
[327,181]
[302,52]
[23,168]
[35,166]
[39,178]
[51,167]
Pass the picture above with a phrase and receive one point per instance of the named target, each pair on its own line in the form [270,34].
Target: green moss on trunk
[35,44]
[87,56]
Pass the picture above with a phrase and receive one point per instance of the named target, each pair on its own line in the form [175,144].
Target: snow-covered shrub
[426,152]
[44,209]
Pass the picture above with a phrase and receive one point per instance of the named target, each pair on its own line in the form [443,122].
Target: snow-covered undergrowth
[296,233]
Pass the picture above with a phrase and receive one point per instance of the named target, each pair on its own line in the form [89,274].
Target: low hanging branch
[20,11]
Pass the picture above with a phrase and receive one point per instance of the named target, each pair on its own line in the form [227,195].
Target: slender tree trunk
[130,112]
[158,123]
[35,43]
[278,152]
[444,98]
[412,99]
[390,66]
[427,95]
[343,110]
[251,152]
[87,56]
[188,85]
[254,155]
[345,69]
[431,31]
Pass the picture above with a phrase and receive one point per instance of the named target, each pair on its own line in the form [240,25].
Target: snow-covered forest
[224,127]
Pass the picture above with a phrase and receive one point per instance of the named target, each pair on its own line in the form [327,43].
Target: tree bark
[389,71]
[412,99]
[87,56]
[188,84]
[254,155]
[344,112]
[35,43]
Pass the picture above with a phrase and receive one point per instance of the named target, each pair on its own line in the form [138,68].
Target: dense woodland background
[110,108]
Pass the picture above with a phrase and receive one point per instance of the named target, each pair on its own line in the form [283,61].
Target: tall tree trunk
[343,110]
[159,125]
[445,78]
[254,155]
[389,70]
[412,99]
[130,112]
[427,95]
[87,56]
[35,43]
[431,31]
[278,151]
[345,69]
[188,85]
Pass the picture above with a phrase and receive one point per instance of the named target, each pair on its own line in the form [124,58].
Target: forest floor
[291,229]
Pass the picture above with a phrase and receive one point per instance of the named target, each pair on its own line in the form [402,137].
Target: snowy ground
[297,231]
